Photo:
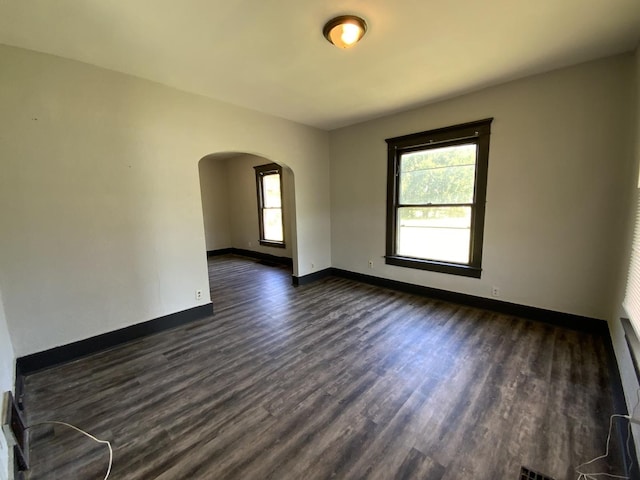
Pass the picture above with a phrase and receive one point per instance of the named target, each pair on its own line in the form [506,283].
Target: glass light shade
[345,31]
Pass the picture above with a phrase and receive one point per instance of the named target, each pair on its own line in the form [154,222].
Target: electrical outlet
[313,265]
[198,294]
[250,244]
[370,263]
[495,291]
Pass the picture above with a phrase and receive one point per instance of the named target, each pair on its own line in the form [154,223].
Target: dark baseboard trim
[267,257]
[567,320]
[632,344]
[220,251]
[311,277]
[72,351]
[620,407]
[263,256]
[18,388]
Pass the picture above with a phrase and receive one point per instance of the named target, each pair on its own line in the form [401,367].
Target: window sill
[267,243]
[441,267]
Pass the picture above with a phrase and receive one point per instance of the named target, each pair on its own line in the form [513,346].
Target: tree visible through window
[436,196]
[269,189]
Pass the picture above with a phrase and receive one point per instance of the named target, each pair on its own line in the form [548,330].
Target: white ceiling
[270,55]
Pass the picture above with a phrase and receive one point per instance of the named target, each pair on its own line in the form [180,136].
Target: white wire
[592,476]
[584,475]
[106,442]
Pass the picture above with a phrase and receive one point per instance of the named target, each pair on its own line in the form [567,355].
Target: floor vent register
[528,474]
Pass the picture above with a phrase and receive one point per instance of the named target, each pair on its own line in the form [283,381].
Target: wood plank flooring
[335,379]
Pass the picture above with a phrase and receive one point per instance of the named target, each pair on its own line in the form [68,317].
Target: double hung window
[436,189]
[269,190]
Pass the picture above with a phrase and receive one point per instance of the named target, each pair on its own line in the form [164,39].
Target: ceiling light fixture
[344,31]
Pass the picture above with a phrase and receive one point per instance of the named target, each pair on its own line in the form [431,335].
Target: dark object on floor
[13,426]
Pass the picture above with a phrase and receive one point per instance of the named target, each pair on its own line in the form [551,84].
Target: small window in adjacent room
[269,186]
[436,189]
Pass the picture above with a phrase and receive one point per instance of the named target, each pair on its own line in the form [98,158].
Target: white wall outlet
[313,265]
[370,263]
[250,244]
[198,294]
[495,291]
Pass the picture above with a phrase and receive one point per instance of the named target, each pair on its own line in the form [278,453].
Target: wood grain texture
[335,379]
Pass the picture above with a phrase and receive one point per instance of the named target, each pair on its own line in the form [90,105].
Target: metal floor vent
[528,474]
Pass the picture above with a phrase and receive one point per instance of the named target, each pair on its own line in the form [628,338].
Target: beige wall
[214,186]
[560,154]
[7,371]
[625,366]
[100,201]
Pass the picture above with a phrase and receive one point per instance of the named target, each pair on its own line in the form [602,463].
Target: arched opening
[231,208]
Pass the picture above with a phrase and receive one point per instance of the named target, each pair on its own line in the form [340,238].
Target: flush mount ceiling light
[344,31]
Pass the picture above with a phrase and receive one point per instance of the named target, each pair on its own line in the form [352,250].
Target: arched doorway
[230,206]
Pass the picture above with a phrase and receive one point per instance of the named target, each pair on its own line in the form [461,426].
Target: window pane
[435,233]
[271,191]
[438,175]
[272,221]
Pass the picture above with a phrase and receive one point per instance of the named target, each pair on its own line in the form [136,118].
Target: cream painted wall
[625,364]
[100,199]
[214,186]
[243,206]
[7,373]
[560,150]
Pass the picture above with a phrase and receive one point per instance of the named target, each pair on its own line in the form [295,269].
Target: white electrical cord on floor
[595,476]
[106,442]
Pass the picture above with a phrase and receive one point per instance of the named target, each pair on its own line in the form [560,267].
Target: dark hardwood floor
[335,379]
